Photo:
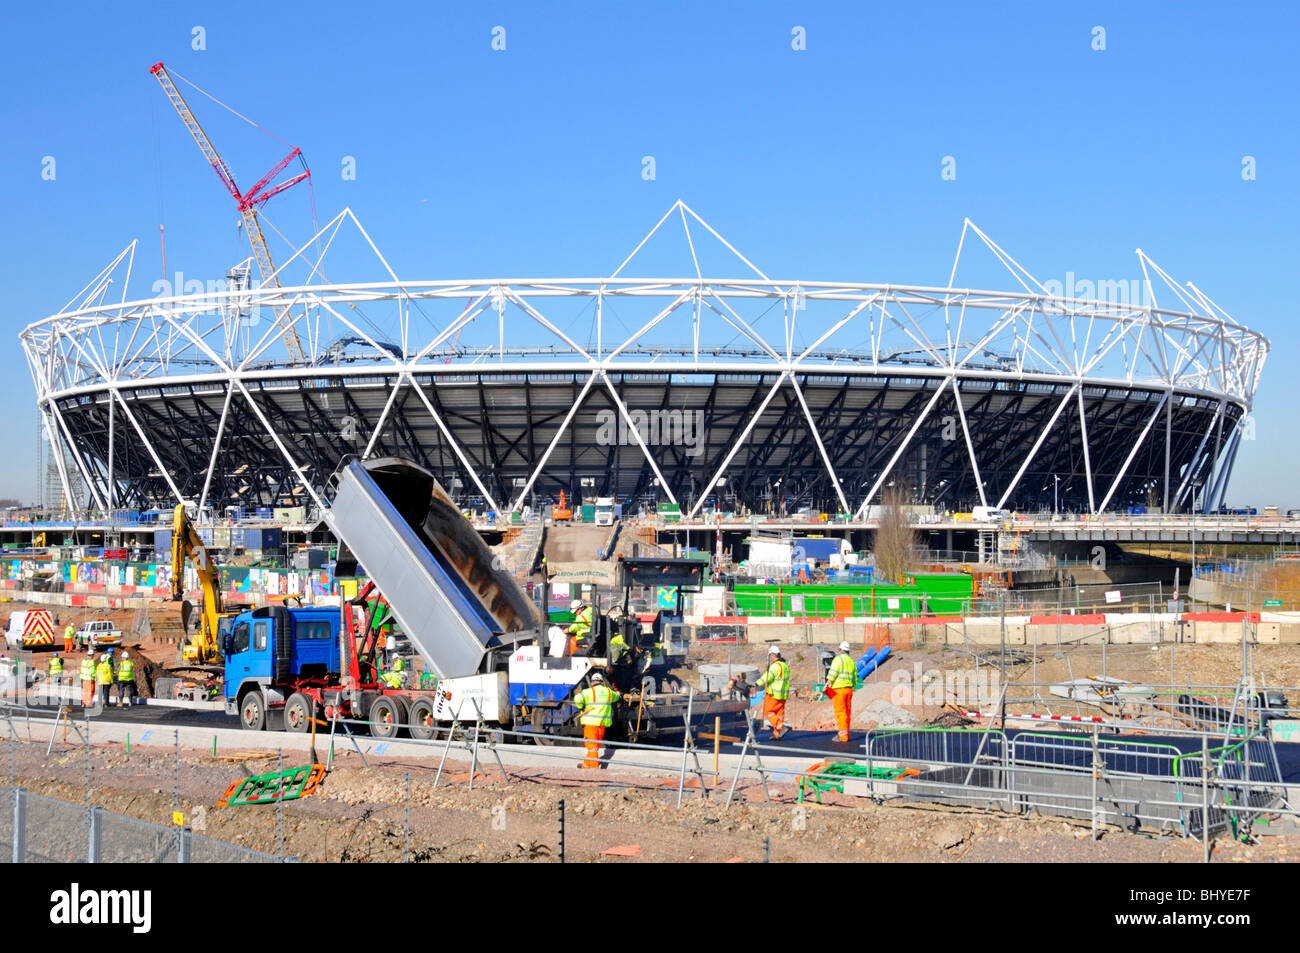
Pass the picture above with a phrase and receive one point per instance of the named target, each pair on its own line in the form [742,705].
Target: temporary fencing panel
[55,831]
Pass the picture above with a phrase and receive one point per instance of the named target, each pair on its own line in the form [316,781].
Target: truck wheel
[297,714]
[387,715]
[421,720]
[252,713]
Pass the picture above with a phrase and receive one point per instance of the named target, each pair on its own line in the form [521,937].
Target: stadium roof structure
[693,389]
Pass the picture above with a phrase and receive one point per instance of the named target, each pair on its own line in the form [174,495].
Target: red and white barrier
[1010,715]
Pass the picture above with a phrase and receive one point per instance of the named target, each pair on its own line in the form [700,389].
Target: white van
[989,514]
[29,628]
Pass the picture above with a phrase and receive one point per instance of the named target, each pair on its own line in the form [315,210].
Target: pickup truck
[99,633]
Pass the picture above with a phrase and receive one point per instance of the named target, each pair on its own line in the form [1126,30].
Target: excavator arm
[205,646]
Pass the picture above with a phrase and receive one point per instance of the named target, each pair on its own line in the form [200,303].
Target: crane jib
[248,202]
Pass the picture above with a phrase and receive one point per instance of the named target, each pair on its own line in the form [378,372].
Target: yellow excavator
[202,649]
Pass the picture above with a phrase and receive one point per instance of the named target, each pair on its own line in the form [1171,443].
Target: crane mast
[249,202]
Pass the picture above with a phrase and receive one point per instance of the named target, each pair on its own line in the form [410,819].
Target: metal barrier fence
[1199,782]
[1109,780]
[38,829]
[1173,784]
[1230,711]
[1135,597]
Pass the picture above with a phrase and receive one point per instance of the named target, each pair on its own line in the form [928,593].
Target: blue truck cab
[271,647]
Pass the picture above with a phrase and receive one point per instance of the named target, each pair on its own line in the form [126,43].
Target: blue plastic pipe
[876,662]
[865,661]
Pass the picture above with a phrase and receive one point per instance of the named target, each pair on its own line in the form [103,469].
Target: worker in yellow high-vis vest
[776,682]
[580,628]
[88,680]
[104,677]
[841,680]
[125,680]
[597,706]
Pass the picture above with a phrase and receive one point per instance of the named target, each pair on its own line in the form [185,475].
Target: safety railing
[937,745]
[1228,712]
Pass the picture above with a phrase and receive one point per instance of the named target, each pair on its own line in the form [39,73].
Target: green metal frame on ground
[831,777]
[285,785]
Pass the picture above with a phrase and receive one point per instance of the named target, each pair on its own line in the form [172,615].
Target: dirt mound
[950,719]
[886,715]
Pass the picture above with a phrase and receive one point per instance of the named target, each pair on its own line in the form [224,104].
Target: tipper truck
[476,631]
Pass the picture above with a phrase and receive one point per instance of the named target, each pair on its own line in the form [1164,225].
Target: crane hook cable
[200,89]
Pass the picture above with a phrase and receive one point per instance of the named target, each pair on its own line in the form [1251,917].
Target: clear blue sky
[822,163]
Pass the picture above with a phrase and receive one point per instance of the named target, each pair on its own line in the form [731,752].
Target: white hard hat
[576,603]
[844,647]
[125,654]
[774,650]
[597,677]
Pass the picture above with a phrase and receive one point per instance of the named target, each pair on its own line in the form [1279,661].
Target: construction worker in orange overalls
[88,680]
[69,635]
[841,680]
[597,706]
[776,680]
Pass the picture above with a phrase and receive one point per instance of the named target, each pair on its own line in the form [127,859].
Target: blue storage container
[162,541]
[237,537]
[264,512]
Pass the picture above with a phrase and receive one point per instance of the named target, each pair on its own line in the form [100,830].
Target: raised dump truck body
[440,578]
[467,618]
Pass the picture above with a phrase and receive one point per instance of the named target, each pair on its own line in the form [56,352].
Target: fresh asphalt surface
[168,715]
[1057,748]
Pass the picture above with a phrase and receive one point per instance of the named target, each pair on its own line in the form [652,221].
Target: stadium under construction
[727,392]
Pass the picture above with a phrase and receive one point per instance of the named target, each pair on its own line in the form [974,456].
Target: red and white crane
[249,202]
